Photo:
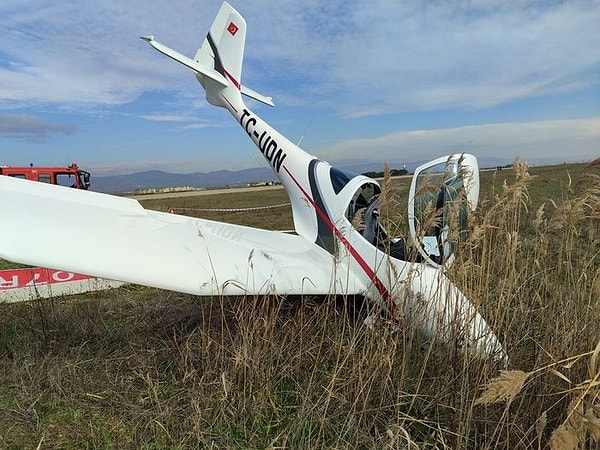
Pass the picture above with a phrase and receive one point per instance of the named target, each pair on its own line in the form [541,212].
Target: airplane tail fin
[223,48]
[218,62]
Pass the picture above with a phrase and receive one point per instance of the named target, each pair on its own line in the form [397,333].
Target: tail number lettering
[265,143]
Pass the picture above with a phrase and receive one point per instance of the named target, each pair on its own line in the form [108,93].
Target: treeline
[393,173]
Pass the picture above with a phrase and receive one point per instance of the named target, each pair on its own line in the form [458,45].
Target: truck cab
[70,176]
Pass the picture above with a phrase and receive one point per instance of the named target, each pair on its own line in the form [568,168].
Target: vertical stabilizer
[223,48]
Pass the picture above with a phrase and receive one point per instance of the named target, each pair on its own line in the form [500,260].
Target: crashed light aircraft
[327,253]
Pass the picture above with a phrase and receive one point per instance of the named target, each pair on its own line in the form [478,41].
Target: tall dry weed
[534,270]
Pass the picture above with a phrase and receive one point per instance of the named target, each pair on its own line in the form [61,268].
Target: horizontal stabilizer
[188,62]
[206,71]
[256,96]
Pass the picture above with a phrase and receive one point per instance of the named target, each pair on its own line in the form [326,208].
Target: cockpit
[364,214]
[438,202]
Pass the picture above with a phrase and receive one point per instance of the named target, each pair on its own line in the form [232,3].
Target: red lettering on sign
[35,280]
[7,281]
[62,276]
[35,276]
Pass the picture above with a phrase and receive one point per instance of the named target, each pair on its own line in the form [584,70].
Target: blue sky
[355,81]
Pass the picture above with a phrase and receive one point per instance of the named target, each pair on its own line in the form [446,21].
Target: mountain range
[118,184]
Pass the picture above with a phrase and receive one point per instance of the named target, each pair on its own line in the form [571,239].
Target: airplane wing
[116,238]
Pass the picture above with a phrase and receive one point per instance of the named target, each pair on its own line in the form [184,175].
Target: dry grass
[143,368]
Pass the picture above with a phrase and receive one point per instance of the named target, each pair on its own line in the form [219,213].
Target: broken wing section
[117,239]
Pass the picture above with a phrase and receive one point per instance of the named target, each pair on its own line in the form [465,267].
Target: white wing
[115,238]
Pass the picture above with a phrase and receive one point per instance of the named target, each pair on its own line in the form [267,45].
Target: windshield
[440,210]
[66,179]
[339,178]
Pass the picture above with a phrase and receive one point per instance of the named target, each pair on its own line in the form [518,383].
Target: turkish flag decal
[232,28]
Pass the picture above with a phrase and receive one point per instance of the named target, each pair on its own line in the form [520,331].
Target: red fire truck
[71,176]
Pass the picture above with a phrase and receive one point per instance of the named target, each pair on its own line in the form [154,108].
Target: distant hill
[117,184]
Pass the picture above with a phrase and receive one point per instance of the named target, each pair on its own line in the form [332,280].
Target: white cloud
[540,142]
[167,118]
[351,58]
[29,128]
[537,142]
[69,53]
[358,57]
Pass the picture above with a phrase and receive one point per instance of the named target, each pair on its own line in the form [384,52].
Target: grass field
[144,368]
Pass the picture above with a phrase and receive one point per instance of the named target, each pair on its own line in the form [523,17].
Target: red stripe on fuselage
[355,254]
[233,80]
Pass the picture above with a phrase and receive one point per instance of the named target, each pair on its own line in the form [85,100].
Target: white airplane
[117,239]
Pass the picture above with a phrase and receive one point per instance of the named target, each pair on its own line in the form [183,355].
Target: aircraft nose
[444,312]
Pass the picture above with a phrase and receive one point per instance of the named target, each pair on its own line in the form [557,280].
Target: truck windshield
[66,179]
